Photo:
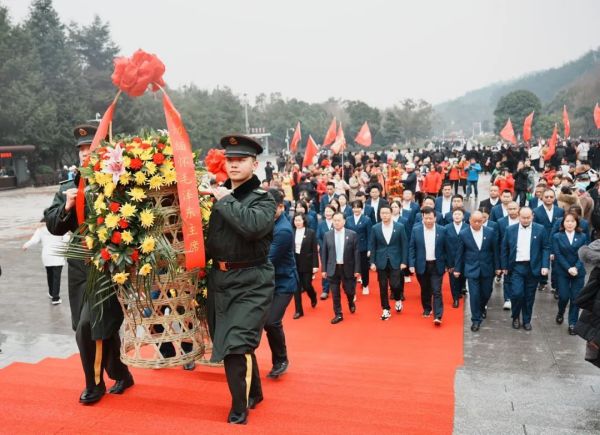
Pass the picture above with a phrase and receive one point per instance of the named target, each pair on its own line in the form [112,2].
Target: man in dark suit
[428,201]
[324,226]
[340,259]
[328,196]
[375,202]
[453,229]
[493,200]
[443,204]
[545,215]
[499,210]
[427,258]
[389,256]
[410,182]
[361,225]
[281,255]
[512,218]
[457,202]
[409,208]
[478,259]
[525,256]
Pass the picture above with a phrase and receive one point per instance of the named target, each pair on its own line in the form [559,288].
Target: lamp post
[246,113]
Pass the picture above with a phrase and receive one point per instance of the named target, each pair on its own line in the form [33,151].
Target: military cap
[240,146]
[84,134]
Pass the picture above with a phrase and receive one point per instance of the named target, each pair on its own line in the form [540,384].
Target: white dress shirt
[356,219]
[329,223]
[457,227]
[570,236]
[512,221]
[298,239]
[478,236]
[387,231]
[339,246]
[504,210]
[523,244]
[375,206]
[429,243]
[550,212]
[446,205]
[493,202]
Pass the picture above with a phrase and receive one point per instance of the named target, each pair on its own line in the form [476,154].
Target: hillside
[566,84]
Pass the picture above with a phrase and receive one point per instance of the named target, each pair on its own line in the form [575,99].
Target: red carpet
[360,376]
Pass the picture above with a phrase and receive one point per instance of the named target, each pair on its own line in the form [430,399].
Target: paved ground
[513,382]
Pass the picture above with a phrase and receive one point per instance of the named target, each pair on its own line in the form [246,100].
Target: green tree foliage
[407,122]
[516,105]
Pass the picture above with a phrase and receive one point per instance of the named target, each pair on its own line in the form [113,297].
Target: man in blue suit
[409,208]
[453,229]
[324,226]
[389,256]
[457,202]
[428,201]
[443,204]
[361,225]
[525,256]
[281,255]
[328,196]
[427,258]
[500,210]
[375,201]
[512,218]
[545,215]
[478,259]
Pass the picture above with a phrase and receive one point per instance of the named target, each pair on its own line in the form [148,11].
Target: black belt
[430,262]
[224,266]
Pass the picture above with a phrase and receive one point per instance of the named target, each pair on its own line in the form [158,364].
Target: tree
[359,112]
[516,105]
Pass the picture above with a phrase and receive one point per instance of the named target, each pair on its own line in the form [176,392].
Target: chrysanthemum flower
[146,218]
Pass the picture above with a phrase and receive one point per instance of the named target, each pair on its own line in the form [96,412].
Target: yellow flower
[93,159]
[205,214]
[89,241]
[168,151]
[112,220]
[148,244]
[102,234]
[166,166]
[125,178]
[109,189]
[136,150]
[126,161]
[102,179]
[128,210]
[126,237]
[120,277]
[97,263]
[147,218]
[145,269]
[114,257]
[151,168]
[99,204]
[137,194]
[140,177]
[146,154]
[91,180]
[170,178]
[156,182]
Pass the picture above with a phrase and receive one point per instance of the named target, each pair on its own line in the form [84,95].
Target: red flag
[295,139]
[566,122]
[364,136]
[311,152]
[508,133]
[340,141]
[597,115]
[552,144]
[331,133]
[527,127]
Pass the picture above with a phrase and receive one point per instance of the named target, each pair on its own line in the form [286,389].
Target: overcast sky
[376,51]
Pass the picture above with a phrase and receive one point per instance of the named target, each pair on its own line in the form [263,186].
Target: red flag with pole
[552,144]
[311,152]
[295,139]
[527,127]
[364,136]
[597,116]
[508,133]
[331,133]
[566,122]
[340,141]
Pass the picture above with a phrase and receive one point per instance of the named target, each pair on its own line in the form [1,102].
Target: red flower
[215,163]
[116,237]
[136,140]
[145,146]
[97,167]
[133,75]
[160,146]
[158,158]
[135,255]
[202,273]
[100,220]
[114,207]
[123,224]
[136,163]
[105,254]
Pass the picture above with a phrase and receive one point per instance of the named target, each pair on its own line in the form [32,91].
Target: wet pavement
[512,382]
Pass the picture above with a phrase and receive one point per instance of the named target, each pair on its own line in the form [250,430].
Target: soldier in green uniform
[241,281]
[97,337]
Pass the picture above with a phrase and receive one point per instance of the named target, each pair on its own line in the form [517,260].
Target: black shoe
[313,303]
[352,307]
[426,313]
[92,395]
[235,418]
[559,319]
[475,327]
[572,330]
[278,370]
[455,303]
[484,313]
[516,323]
[189,366]
[298,315]
[527,326]
[336,319]
[123,384]
[253,401]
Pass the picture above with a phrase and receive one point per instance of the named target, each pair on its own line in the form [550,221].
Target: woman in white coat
[53,262]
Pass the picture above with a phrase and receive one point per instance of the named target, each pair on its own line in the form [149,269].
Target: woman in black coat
[588,326]
[307,261]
